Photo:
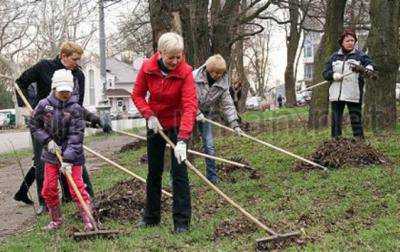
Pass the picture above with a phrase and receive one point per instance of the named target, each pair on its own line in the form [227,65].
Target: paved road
[22,140]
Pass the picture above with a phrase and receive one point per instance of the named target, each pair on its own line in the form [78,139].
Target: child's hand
[53,147]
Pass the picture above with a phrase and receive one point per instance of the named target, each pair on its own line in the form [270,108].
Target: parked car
[398,91]
[7,119]
[253,103]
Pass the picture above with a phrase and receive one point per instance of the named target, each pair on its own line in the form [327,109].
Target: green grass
[5,157]
[350,209]
[274,114]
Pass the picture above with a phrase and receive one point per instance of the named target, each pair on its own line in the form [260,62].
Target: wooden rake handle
[190,151]
[78,194]
[321,83]
[121,168]
[270,145]
[229,200]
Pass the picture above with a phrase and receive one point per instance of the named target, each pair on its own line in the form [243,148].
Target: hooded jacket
[62,122]
[351,88]
[172,97]
[216,97]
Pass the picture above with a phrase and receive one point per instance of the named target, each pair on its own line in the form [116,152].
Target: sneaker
[56,219]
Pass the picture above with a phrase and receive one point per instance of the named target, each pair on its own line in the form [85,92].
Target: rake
[270,145]
[274,236]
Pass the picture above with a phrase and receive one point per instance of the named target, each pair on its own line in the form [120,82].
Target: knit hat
[63,80]
[347,32]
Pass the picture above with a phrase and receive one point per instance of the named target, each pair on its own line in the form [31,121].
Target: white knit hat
[63,80]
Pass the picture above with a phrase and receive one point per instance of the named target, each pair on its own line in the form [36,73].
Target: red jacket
[172,98]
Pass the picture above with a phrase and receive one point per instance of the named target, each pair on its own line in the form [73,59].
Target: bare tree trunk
[223,29]
[240,71]
[163,18]
[195,31]
[383,41]
[292,45]
[319,107]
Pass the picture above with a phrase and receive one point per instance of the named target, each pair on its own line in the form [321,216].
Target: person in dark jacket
[57,123]
[347,85]
[41,74]
[171,107]
[280,101]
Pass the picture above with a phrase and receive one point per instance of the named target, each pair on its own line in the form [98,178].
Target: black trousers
[355,111]
[181,208]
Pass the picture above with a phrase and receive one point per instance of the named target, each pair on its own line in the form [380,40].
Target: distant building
[120,79]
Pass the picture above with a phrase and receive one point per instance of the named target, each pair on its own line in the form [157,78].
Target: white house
[120,79]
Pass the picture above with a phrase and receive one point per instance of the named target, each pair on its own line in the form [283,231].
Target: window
[308,51]
[91,88]
[308,71]
[120,102]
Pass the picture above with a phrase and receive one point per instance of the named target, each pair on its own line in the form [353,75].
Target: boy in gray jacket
[212,85]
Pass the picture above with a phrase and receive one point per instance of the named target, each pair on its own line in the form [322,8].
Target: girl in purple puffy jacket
[58,123]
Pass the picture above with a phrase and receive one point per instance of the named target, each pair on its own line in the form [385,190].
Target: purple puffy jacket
[62,122]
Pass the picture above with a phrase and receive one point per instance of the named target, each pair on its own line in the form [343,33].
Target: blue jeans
[205,129]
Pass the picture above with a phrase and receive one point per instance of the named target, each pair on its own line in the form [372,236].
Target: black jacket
[41,74]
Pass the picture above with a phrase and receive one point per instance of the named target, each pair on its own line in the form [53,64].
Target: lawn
[350,209]
[275,114]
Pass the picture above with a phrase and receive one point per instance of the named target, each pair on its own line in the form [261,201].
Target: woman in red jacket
[171,107]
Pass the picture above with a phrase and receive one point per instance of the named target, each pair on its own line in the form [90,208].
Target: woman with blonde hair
[171,107]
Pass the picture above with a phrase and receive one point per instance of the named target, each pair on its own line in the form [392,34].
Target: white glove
[238,131]
[66,167]
[53,147]
[337,76]
[200,117]
[370,67]
[180,151]
[154,124]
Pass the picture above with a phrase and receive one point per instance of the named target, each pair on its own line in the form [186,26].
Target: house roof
[117,92]
[124,73]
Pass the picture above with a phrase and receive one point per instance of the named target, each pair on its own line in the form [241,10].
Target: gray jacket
[216,97]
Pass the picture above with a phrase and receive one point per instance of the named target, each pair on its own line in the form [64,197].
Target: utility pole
[102,47]
[104,107]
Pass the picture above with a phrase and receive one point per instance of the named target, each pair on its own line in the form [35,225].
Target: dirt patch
[233,229]
[335,153]
[132,146]
[124,201]
[226,171]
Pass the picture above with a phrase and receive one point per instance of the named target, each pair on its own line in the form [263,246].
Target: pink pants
[50,185]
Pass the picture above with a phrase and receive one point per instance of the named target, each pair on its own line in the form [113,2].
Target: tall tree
[258,67]
[292,43]
[383,43]
[319,109]
[164,18]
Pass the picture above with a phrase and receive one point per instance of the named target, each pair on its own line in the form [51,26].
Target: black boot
[22,194]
